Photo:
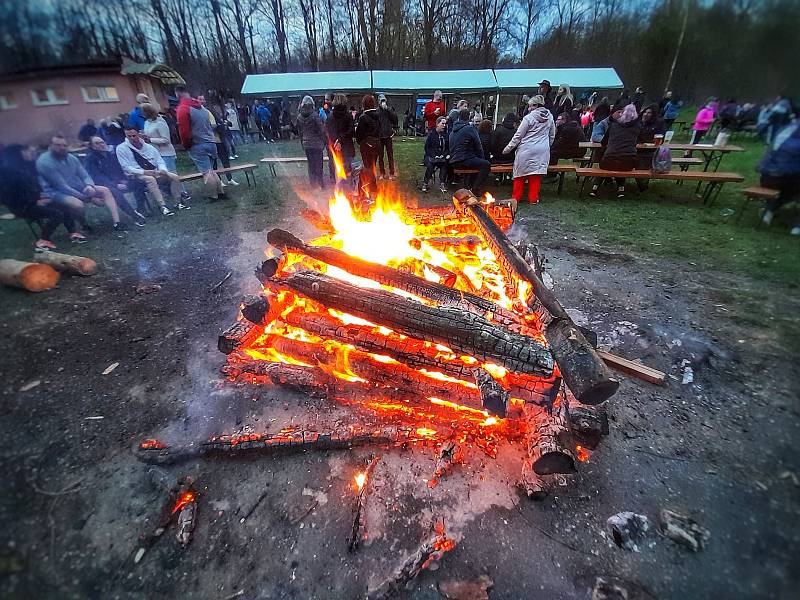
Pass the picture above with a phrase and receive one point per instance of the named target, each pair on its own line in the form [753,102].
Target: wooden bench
[714,180]
[756,193]
[248,169]
[559,170]
[271,161]
[681,162]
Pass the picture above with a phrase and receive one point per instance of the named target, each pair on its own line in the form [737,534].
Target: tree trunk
[33,277]
[459,330]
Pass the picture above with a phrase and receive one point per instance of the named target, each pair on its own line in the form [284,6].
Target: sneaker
[392,177]
[425,188]
[620,192]
[233,182]
[182,206]
[223,184]
[166,211]
[44,246]
[593,193]
[77,237]
[120,227]
[443,188]
[795,231]
[768,216]
[235,156]
[139,219]
[232,157]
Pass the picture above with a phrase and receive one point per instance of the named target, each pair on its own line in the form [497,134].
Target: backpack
[662,160]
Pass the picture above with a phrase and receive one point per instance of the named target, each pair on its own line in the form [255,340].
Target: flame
[181,503]
[582,453]
[360,479]
[152,444]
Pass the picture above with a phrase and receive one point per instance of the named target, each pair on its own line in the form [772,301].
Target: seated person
[436,151]
[567,143]
[466,151]
[780,170]
[485,133]
[22,194]
[142,162]
[620,146]
[500,138]
[103,167]
[68,184]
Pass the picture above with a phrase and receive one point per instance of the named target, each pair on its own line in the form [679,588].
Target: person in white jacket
[534,136]
[156,132]
[140,160]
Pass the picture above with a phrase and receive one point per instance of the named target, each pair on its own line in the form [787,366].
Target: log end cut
[33,277]
[553,462]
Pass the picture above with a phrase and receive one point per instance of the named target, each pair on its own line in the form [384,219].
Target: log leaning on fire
[583,370]
[460,330]
[548,440]
[436,292]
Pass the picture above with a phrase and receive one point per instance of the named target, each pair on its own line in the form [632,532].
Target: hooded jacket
[368,129]
[653,127]
[783,156]
[465,143]
[621,138]
[339,126]
[436,146]
[388,121]
[567,142]
[194,123]
[501,136]
[310,128]
[532,140]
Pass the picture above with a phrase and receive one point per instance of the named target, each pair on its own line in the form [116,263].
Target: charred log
[459,330]
[536,487]
[588,424]
[449,454]
[548,441]
[235,335]
[583,370]
[359,531]
[494,397]
[254,308]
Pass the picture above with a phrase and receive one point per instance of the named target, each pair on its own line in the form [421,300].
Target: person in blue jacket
[780,170]
[136,117]
[466,151]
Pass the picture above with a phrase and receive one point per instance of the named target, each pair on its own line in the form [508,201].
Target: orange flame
[582,453]
[181,503]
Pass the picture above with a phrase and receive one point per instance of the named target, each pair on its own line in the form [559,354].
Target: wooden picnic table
[271,161]
[248,168]
[711,154]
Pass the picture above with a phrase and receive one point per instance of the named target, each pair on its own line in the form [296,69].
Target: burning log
[549,445]
[67,263]
[587,423]
[436,292]
[359,531]
[187,512]
[155,452]
[460,330]
[33,277]
[467,243]
[536,487]
[429,552]
[494,397]
[449,454]
[235,335]
[411,352]
[255,308]
[318,220]
[583,370]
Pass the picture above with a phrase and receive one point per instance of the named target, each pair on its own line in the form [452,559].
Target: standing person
[87,131]
[780,170]
[157,133]
[22,194]
[501,136]
[243,112]
[104,169]
[437,149]
[638,98]
[275,116]
[620,145]
[234,126]
[197,136]
[452,116]
[368,132]
[312,138]
[388,122]
[220,140]
[667,97]
[532,140]
[433,110]
[564,100]
[68,184]
[670,111]
[113,133]
[466,151]
[703,121]
[341,129]
[263,116]
[546,92]
[522,109]
[136,117]
[142,162]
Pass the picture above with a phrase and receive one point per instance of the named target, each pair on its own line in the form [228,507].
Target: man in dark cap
[546,91]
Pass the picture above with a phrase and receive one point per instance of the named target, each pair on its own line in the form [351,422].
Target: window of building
[100,93]
[7,100]
[48,96]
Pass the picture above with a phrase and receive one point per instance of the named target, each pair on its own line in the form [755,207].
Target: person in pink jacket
[703,121]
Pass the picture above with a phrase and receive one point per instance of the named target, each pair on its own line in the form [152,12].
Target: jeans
[484,167]
[202,155]
[369,156]
[314,156]
[431,168]
[386,144]
[222,152]
[122,201]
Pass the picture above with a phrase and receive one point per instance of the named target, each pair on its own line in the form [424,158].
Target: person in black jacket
[21,193]
[500,138]
[620,145]
[569,136]
[652,125]
[437,149]
[466,151]
[340,129]
[485,133]
[104,169]
[388,122]
[368,136]
[312,138]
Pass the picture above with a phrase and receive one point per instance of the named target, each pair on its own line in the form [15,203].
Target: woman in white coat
[534,136]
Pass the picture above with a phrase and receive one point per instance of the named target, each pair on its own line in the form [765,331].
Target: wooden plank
[287,159]
[761,192]
[634,369]
[245,167]
[675,147]
[510,168]
[716,177]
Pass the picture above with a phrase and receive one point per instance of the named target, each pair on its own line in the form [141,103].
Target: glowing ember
[360,479]
[181,503]
[581,453]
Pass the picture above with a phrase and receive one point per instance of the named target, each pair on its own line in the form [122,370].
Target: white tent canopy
[409,82]
[276,84]
[527,80]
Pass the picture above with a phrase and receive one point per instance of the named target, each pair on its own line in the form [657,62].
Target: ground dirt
[721,449]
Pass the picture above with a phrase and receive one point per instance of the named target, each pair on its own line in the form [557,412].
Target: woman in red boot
[533,138]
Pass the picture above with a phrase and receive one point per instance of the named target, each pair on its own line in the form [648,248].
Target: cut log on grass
[458,329]
[67,263]
[33,277]
[583,370]
[436,292]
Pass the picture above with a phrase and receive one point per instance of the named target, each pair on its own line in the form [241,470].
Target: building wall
[28,123]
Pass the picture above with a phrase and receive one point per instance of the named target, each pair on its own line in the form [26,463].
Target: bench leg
[560,183]
[583,185]
[743,207]
[272,168]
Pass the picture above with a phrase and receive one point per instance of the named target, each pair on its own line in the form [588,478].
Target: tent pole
[496,109]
